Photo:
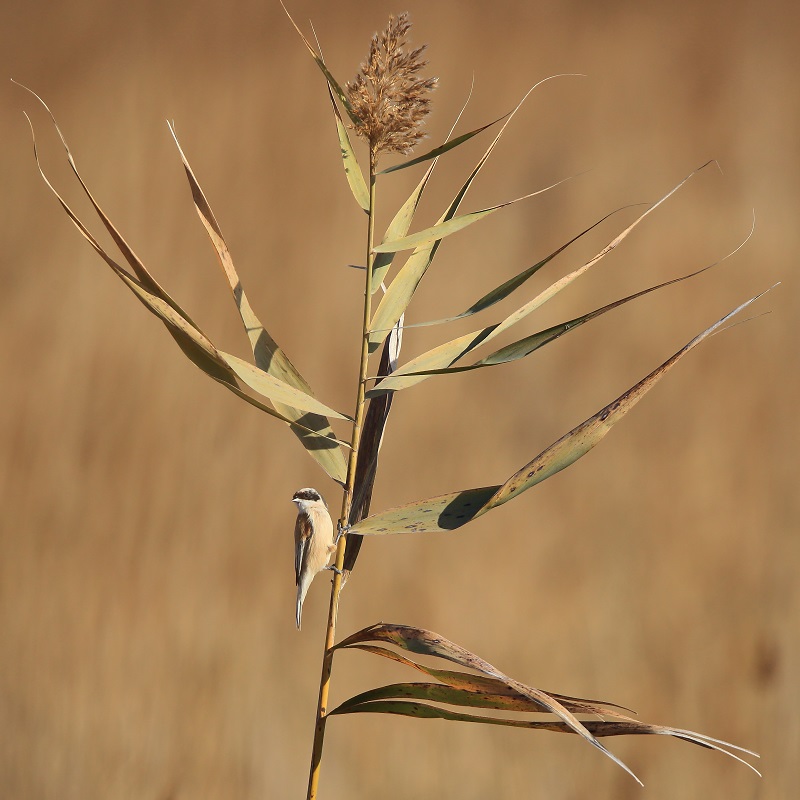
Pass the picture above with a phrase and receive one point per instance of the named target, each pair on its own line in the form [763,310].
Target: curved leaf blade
[400,291]
[508,287]
[529,344]
[424,642]
[598,728]
[267,354]
[352,170]
[401,222]
[445,355]
[579,441]
[138,267]
[425,516]
[192,342]
[397,229]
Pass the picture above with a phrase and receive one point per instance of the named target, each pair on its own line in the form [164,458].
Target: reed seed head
[388,95]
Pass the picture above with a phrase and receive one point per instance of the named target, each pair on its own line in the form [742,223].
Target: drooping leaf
[193,343]
[479,686]
[598,728]
[437,513]
[352,171]
[267,354]
[491,689]
[145,278]
[423,642]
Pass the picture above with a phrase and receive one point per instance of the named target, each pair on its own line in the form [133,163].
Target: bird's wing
[302,536]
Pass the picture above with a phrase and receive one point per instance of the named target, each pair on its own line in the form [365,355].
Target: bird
[314,541]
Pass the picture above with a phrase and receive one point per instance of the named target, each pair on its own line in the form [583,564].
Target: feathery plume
[388,95]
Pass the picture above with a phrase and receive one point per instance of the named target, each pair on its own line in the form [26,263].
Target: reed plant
[385,105]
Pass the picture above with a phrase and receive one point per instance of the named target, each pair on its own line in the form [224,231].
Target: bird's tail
[302,588]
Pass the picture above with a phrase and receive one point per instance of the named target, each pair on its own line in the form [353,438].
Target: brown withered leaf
[494,690]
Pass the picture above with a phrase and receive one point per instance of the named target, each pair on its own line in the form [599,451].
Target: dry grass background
[147,641]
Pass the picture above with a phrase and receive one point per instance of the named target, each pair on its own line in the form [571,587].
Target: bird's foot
[341,530]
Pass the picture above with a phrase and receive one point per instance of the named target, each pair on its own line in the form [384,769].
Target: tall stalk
[347,501]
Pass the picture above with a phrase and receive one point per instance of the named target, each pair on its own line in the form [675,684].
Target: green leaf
[444,513]
[437,514]
[529,344]
[441,230]
[441,149]
[397,229]
[192,342]
[267,354]
[277,391]
[445,355]
[508,287]
[397,297]
[352,170]
[580,440]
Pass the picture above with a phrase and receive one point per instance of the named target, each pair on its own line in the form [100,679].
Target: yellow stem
[347,500]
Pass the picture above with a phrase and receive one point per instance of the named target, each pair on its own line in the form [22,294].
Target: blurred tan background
[147,641]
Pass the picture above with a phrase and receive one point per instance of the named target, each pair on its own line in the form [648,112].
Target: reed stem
[347,501]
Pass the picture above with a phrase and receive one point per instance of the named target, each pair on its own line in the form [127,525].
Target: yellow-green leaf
[352,171]
[453,510]
[400,291]
[267,354]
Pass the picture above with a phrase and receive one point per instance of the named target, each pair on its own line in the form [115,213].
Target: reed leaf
[277,391]
[267,354]
[400,291]
[479,685]
[441,149]
[401,222]
[352,171]
[451,511]
[192,342]
[142,273]
[333,84]
[492,689]
[445,355]
[508,287]
[424,642]
[441,230]
[598,728]
[397,229]
[529,344]
[369,447]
